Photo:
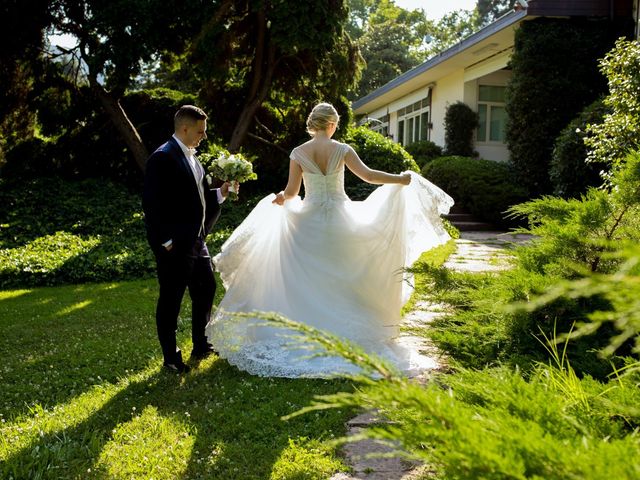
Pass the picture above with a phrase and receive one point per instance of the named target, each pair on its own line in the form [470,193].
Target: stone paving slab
[477,251]
[369,463]
[484,251]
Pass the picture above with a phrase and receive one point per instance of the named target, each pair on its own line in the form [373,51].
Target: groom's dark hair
[188,113]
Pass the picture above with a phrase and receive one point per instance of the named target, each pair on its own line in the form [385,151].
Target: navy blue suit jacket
[171,202]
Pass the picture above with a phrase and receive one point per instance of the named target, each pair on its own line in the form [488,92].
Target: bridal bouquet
[232,168]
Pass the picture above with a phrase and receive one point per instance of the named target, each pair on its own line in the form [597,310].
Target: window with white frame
[380,125]
[492,114]
[414,122]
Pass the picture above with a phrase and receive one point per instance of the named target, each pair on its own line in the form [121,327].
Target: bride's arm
[293,184]
[357,166]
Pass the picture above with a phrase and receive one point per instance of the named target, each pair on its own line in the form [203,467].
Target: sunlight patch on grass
[8,294]
[150,445]
[305,459]
[73,308]
[434,258]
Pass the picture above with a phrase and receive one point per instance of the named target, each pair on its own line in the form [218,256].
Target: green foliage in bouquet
[229,168]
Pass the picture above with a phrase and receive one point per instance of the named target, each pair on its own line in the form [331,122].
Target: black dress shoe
[202,353]
[177,367]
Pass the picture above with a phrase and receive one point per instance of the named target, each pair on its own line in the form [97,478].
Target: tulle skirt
[336,265]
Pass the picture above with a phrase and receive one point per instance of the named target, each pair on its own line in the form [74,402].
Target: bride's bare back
[320,150]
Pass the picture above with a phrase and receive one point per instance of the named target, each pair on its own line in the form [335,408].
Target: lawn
[84,396]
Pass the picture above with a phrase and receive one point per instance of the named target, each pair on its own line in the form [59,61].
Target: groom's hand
[224,189]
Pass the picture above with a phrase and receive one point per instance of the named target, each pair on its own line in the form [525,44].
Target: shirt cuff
[220,197]
[167,243]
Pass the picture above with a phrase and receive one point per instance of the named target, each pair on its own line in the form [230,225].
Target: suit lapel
[179,154]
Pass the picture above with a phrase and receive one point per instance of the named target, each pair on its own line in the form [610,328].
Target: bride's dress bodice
[321,188]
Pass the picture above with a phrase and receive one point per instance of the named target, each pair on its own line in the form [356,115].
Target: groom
[180,209]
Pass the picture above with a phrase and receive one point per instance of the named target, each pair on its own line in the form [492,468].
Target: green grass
[84,396]
[430,259]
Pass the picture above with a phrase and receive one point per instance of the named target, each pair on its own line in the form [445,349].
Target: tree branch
[262,126]
[264,140]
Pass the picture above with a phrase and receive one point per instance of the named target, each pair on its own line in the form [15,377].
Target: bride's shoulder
[303,147]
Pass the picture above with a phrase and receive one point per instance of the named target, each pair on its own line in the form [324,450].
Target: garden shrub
[90,147]
[583,232]
[569,172]
[484,187]
[377,152]
[423,151]
[55,231]
[612,139]
[460,123]
[542,101]
[152,112]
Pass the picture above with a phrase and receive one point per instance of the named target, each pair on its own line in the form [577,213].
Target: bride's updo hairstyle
[320,117]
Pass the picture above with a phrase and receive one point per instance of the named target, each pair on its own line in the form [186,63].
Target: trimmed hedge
[570,174]
[484,187]
[423,151]
[379,153]
[460,122]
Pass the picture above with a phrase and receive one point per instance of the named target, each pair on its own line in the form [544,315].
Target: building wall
[447,90]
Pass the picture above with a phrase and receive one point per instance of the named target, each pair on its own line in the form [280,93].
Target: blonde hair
[320,117]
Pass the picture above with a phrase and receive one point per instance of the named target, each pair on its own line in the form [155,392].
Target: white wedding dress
[326,261]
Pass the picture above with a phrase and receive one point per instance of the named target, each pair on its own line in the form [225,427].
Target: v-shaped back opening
[329,167]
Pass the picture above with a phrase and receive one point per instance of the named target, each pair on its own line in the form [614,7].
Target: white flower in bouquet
[232,168]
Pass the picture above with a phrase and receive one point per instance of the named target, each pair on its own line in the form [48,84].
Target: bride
[326,261]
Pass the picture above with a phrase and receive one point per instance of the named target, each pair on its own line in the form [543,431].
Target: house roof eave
[503,22]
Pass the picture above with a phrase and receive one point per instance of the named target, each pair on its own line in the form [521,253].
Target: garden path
[476,251]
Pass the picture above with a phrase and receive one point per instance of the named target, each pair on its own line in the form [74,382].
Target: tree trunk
[263,68]
[123,125]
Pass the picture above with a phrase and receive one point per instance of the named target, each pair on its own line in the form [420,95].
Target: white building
[475,71]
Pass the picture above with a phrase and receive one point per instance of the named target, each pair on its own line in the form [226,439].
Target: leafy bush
[89,146]
[494,423]
[486,188]
[611,140]
[582,231]
[542,101]
[460,122]
[55,231]
[569,171]
[423,151]
[379,153]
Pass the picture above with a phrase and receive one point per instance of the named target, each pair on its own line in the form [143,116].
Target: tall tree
[490,10]
[254,51]
[394,40]
[114,39]
[20,64]
[391,43]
